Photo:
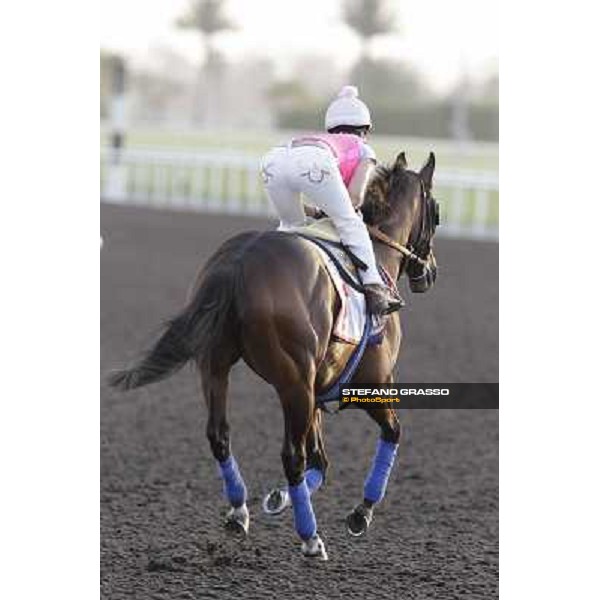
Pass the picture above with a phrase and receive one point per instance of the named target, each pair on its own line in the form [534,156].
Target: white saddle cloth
[350,322]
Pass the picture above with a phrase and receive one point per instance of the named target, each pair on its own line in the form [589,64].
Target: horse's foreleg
[383,461]
[359,519]
[298,407]
[214,385]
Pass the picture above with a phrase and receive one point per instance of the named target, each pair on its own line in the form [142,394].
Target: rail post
[116,173]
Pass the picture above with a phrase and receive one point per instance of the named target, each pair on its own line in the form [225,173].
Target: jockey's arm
[360,180]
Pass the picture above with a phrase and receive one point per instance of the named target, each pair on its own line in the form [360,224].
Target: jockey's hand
[313,212]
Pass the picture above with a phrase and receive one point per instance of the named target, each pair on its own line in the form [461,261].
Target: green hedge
[427,120]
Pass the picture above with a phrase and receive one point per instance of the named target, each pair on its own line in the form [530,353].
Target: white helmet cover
[347,109]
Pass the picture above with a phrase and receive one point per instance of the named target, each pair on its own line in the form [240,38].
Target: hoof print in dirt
[162,565]
[222,561]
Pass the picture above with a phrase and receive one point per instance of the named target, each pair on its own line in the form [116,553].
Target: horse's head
[399,205]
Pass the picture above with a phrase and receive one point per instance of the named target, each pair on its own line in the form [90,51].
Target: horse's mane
[387,186]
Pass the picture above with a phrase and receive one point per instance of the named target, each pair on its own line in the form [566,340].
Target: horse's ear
[426,172]
[401,162]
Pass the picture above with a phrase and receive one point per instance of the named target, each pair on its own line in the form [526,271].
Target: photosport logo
[415,395]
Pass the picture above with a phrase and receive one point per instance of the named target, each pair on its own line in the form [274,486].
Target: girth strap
[332,393]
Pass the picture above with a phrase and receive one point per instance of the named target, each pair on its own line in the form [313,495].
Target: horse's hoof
[358,521]
[314,548]
[276,501]
[238,520]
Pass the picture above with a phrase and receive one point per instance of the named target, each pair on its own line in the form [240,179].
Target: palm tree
[208,19]
[368,19]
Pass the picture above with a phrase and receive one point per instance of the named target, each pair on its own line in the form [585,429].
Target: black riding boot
[381,300]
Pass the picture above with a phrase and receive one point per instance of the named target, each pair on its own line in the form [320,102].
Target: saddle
[323,233]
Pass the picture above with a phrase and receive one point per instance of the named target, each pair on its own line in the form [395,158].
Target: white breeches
[310,170]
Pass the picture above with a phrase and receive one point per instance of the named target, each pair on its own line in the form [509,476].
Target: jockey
[332,170]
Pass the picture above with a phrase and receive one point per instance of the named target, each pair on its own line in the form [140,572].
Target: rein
[388,241]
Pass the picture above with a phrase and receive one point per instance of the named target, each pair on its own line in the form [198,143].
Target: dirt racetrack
[434,536]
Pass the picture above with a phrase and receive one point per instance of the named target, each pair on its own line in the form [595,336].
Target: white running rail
[229,182]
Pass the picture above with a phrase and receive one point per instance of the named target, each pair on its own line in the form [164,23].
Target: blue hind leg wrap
[233,484]
[381,468]
[304,517]
[314,479]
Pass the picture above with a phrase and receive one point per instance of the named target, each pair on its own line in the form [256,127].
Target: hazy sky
[438,36]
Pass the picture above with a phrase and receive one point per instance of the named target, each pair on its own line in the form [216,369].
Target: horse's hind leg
[359,519]
[214,387]
[317,462]
[278,499]
[299,412]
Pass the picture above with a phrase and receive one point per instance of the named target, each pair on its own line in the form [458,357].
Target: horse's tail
[193,333]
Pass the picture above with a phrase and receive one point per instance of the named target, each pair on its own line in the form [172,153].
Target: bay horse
[267,298]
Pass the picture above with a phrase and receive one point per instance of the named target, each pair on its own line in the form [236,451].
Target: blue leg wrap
[314,479]
[381,468]
[233,484]
[304,517]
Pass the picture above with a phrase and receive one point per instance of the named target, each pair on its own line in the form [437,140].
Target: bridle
[417,251]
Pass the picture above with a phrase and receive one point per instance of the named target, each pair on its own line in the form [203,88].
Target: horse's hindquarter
[287,309]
